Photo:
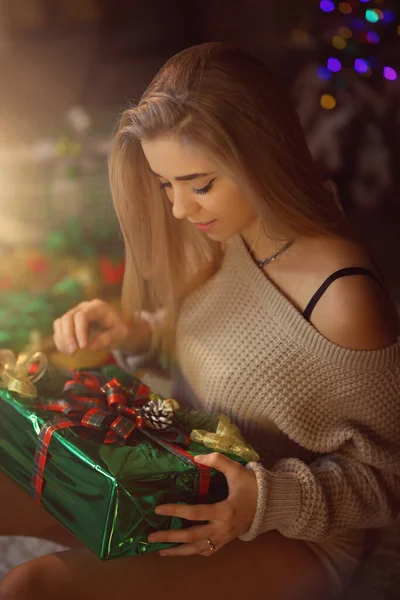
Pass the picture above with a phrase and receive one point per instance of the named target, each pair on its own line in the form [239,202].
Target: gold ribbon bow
[227,439]
[14,371]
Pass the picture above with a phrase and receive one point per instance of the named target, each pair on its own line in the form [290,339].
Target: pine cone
[159,413]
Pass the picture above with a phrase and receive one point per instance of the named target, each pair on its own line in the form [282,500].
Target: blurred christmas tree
[348,97]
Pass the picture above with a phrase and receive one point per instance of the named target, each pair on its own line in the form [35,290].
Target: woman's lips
[205,226]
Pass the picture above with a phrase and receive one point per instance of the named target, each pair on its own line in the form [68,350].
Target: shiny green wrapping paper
[105,495]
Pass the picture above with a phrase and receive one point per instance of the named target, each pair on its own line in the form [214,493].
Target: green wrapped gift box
[103,493]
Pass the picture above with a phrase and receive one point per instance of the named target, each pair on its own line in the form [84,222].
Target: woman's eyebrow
[187,177]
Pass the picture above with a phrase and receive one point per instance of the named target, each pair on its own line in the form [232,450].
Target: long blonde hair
[226,103]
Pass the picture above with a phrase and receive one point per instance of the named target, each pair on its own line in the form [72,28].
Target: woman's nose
[183,206]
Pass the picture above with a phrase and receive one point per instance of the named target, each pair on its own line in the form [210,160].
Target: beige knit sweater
[324,419]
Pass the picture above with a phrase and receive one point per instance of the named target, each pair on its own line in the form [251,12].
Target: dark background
[100,54]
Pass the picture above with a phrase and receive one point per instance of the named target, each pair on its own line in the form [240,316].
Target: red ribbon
[91,402]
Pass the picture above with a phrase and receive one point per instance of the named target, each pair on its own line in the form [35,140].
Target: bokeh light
[345,32]
[300,36]
[327,5]
[373,37]
[324,73]
[358,24]
[345,8]
[361,66]
[389,16]
[390,73]
[334,65]
[338,42]
[328,102]
[372,15]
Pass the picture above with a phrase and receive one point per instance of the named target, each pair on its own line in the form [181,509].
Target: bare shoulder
[354,312]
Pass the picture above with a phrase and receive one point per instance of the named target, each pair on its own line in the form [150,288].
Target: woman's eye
[205,189]
[164,185]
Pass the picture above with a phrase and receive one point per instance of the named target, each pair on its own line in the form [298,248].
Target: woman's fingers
[69,341]
[95,324]
[91,321]
[189,550]
[81,328]
[102,339]
[64,333]
[57,334]
[184,536]
[202,547]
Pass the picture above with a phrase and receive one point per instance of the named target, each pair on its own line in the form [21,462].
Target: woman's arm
[357,486]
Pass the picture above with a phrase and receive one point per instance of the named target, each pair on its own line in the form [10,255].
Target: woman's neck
[259,243]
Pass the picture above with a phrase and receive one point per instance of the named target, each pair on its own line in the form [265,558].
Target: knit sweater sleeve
[357,486]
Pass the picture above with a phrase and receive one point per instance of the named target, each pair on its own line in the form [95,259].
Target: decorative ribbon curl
[227,439]
[15,372]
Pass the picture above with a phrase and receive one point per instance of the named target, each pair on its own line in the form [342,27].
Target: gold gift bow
[227,439]
[14,371]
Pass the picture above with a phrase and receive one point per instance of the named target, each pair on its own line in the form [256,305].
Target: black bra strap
[337,275]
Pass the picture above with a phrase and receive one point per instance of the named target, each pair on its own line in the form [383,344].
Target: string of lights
[360,33]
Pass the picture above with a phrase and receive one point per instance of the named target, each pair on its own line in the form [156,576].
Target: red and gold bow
[91,402]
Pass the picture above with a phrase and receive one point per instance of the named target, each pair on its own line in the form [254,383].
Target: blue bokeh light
[361,66]
[373,37]
[327,5]
[358,24]
[324,73]
[334,65]
[389,16]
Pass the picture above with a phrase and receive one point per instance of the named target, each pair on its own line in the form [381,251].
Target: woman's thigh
[271,567]
[20,515]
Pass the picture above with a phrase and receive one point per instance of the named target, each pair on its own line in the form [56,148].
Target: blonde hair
[226,103]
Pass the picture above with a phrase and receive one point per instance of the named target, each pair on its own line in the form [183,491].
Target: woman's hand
[226,520]
[95,324]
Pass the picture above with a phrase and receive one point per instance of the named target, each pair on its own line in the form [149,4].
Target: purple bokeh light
[324,73]
[390,73]
[327,5]
[373,37]
[389,16]
[334,65]
[361,66]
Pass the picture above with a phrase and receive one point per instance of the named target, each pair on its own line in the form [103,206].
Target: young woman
[270,313]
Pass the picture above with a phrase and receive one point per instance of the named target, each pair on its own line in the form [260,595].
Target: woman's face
[197,191]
